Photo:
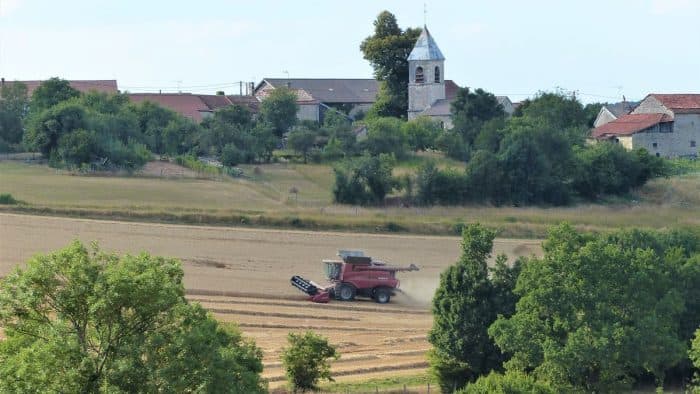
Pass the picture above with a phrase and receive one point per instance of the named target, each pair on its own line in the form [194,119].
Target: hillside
[264,198]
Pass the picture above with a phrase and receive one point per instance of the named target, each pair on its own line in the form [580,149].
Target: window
[658,154]
[437,74]
[419,75]
[692,144]
[666,127]
[654,145]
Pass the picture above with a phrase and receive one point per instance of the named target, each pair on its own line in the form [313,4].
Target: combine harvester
[354,275]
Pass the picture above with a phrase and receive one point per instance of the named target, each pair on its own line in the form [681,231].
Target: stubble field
[242,275]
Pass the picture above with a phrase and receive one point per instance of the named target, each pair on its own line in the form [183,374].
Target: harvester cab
[353,275]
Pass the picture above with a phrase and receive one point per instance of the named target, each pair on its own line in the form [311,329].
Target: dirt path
[242,275]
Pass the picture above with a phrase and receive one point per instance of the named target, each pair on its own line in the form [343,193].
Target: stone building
[317,95]
[429,93]
[610,112]
[667,125]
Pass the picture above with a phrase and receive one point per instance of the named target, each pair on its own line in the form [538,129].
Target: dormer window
[437,74]
[419,75]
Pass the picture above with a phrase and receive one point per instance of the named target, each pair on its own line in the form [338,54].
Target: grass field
[263,199]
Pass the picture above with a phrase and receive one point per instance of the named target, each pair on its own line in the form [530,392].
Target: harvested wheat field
[242,275]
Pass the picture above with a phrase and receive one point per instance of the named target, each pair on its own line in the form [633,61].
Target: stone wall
[678,143]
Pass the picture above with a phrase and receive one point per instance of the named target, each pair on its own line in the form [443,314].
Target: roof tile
[629,124]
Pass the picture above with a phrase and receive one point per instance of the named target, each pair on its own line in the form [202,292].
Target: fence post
[404,388]
[428,388]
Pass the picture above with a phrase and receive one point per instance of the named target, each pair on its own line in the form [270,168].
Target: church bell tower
[426,75]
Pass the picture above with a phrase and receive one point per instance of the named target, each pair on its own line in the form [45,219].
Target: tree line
[107,131]
[595,313]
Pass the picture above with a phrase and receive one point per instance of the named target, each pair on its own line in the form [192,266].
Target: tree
[81,320]
[279,109]
[47,127]
[694,354]
[387,51]
[421,133]
[471,110]
[77,147]
[386,135]
[50,93]
[306,360]
[508,383]
[364,180]
[594,311]
[464,306]
[13,109]
[561,111]
[302,140]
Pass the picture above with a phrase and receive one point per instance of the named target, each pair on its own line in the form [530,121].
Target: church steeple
[425,48]
[426,73]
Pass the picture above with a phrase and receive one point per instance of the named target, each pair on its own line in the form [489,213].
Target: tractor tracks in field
[243,298]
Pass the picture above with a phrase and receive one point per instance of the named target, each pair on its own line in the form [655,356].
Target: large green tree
[596,311]
[470,110]
[52,92]
[81,320]
[13,109]
[387,51]
[466,303]
[279,109]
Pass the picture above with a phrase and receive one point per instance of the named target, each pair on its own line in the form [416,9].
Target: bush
[232,156]
[364,180]
[508,383]
[306,360]
[386,135]
[7,199]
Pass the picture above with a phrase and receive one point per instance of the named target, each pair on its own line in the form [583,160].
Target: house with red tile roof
[667,125]
[195,106]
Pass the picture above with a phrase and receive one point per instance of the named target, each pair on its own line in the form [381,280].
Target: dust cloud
[417,291]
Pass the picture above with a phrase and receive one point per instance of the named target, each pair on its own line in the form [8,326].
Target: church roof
[426,48]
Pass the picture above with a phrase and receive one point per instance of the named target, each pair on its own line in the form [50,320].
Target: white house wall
[604,117]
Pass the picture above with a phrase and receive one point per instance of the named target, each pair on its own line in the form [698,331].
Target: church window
[437,74]
[419,75]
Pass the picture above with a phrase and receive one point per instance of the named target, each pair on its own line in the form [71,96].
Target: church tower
[426,75]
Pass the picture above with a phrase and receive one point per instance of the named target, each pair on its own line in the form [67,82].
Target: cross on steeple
[425,14]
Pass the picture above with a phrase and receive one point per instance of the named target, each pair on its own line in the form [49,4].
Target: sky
[599,49]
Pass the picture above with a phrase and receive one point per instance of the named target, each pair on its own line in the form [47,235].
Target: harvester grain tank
[354,275]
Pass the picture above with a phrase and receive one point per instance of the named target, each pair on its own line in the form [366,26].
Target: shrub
[7,199]
[510,383]
[306,360]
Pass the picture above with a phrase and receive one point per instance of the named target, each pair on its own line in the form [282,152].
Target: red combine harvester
[354,275]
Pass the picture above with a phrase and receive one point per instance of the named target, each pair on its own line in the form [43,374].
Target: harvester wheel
[382,296]
[346,292]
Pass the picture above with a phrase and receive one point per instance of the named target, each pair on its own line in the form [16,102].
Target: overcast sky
[602,49]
